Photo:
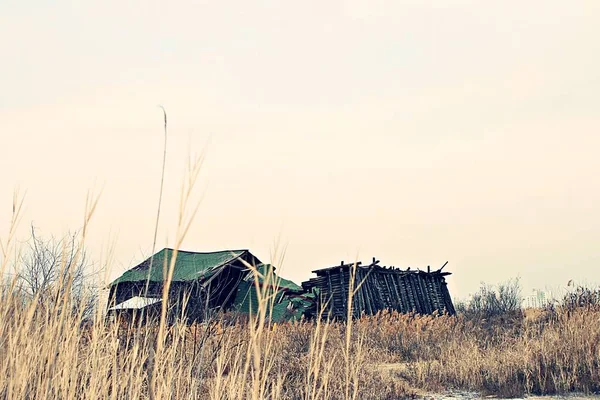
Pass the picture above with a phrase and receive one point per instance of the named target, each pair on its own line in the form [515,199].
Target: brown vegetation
[49,354]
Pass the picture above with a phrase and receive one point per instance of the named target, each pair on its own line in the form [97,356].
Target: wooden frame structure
[379,288]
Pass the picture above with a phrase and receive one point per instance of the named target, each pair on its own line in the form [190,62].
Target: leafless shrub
[492,301]
[49,269]
[582,298]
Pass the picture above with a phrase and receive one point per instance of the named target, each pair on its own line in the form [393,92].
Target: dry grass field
[54,353]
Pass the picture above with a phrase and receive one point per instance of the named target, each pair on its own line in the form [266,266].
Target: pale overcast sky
[417,132]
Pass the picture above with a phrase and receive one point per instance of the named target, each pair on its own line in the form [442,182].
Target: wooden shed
[380,288]
[202,284]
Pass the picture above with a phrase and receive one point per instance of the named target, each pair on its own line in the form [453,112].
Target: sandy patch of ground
[400,368]
[472,395]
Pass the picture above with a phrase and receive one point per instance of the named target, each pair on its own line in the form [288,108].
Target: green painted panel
[189,266]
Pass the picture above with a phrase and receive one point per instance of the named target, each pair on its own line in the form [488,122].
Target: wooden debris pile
[379,288]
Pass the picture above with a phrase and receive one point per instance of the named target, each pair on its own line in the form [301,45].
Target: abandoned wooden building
[379,288]
[203,283]
[234,280]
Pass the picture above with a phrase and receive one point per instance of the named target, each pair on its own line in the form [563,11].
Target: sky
[414,132]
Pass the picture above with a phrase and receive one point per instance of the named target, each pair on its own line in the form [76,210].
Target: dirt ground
[464,395]
[471,395]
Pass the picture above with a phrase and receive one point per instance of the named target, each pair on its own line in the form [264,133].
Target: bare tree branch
[51,269]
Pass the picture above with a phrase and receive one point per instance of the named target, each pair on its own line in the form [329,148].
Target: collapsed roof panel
[189,266]
[281,295]
[274,280]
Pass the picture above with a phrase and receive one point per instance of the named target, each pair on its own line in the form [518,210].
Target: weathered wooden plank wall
[379,288]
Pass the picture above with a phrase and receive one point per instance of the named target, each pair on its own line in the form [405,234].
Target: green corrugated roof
[246,301]
[189,266]
[246,298]
[278,281]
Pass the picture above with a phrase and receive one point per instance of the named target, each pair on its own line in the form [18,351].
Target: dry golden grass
[545,353]
[51,354]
